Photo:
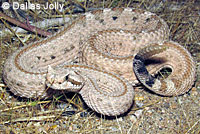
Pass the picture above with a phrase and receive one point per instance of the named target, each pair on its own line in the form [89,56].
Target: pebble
[138,113]
[166,105]
[64,105]
[133,118]
[114,129]
[194,93]
[120,119]
[70,128]
[139,103]
[149,112]
[163,111]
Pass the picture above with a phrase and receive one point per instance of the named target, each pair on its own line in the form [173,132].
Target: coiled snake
[105,42]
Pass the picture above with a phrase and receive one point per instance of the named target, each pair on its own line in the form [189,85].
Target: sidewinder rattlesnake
[105,42]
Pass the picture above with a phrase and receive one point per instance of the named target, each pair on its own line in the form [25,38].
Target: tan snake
[107,40]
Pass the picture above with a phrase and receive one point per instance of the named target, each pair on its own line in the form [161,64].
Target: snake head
[64,79]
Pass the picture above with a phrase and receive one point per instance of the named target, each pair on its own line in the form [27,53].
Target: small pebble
[138,113]
[194,93]
[139,103]
[162,111]
[146,108]
[160,119]
[70,128]
[114,129]
[120,119]
[133,118]
[166,105]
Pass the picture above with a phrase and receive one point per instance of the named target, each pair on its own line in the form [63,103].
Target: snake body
[177,58]
[96,88]
[108,40]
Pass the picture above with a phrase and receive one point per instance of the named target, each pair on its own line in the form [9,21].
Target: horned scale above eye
[107,40]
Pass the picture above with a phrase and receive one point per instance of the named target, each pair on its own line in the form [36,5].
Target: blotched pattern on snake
[105,43]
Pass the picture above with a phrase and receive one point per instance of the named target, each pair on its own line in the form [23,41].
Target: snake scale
[111,46]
